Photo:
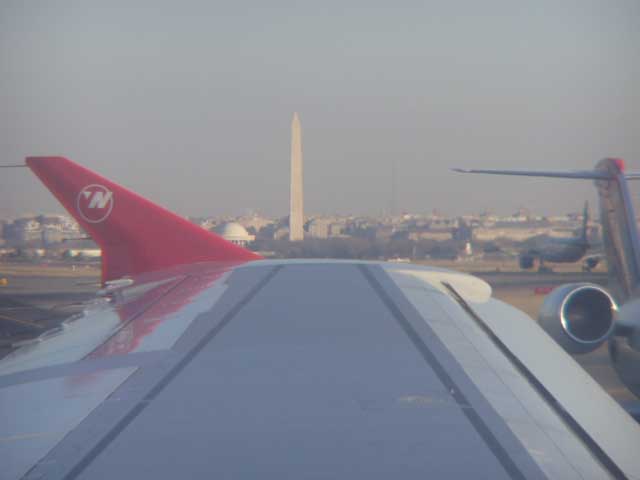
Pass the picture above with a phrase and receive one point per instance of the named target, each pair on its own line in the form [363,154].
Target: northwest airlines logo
[94,203]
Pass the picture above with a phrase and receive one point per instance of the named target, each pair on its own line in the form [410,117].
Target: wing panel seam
[472,415]
[84,462]
[595,449]
[134,317]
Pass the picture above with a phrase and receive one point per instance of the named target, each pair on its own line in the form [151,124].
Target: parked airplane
[201,360]
[556,250]
[590,315]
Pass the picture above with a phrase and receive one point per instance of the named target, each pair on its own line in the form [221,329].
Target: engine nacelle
[589,263]
[579,316]
[626,362]
[624,349]
[526,261]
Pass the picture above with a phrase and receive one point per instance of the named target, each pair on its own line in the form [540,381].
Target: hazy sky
[190,103]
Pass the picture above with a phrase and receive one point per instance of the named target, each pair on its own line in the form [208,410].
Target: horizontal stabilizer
[135,235]
[579,174]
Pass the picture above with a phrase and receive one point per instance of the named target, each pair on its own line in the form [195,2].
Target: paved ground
[36,298]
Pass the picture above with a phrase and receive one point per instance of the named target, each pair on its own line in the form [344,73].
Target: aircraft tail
[135,235]
[619,231]
[585,223]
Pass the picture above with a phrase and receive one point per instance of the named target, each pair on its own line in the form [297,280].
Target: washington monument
[296,215]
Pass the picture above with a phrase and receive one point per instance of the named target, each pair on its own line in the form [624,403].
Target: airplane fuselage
[564,251]
[557,250]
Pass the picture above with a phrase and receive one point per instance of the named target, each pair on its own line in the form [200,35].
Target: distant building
[438,235]
[518,234]
[281,233]
[384,232]
[235,233]
[336,230]
[51,234]
[48,229]
[319,228]
[23,230]
[327,227]
[255,222]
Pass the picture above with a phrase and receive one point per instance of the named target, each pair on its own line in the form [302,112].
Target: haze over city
[190,104]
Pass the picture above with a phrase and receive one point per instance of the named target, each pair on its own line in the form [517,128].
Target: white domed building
[235,233]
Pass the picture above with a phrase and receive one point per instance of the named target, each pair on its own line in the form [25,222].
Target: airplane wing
[304,369]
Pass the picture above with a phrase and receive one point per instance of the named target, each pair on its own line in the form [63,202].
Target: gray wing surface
[310,370]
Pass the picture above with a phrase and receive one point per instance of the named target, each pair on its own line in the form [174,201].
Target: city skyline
[54,231]
[254,212]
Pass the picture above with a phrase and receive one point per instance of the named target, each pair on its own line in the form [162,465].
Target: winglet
[135,235]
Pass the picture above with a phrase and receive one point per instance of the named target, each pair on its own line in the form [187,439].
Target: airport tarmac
[35,300]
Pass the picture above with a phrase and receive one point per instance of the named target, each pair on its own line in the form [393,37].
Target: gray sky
[190,103]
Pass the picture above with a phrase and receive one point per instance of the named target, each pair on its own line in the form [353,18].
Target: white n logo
[100,199]
[94,203]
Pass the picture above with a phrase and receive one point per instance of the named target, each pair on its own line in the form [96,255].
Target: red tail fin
[135,235]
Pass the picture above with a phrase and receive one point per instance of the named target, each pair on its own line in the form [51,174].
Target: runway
[533,279]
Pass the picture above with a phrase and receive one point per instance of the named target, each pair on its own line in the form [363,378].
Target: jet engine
[526,261]
[579,316]
[589,263]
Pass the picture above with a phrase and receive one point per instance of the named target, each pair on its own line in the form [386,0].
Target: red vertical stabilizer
[135,235]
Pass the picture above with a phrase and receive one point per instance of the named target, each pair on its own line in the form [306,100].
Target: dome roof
[233,231]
